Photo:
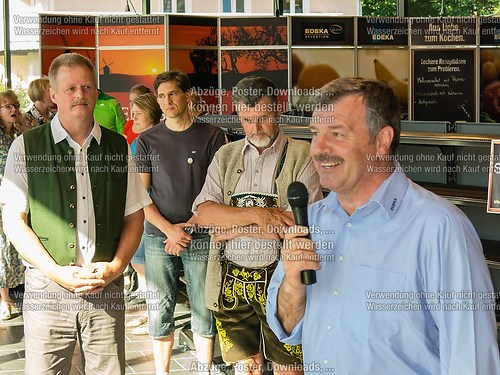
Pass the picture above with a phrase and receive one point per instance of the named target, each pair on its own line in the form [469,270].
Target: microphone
[298,197]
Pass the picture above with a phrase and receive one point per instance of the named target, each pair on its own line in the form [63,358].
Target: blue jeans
[162,274]
[139,256]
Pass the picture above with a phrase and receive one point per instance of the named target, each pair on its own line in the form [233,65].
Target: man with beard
[244,202]
[405,288]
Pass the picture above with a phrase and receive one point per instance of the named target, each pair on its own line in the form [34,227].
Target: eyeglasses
[10,106]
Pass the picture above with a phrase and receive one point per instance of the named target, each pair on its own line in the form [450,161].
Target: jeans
[162,274]
[139,256]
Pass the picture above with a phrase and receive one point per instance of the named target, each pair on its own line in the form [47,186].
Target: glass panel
[226,6]
[167,6]
[240,6]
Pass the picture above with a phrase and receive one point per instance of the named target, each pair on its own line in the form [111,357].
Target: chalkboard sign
[494,178]
[443,85]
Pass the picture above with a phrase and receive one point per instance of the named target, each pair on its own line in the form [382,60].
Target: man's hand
[297,254]
[273,220]
[177,239]
[78,279]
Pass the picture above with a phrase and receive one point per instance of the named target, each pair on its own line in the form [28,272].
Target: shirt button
[72,206]
[257,171]
[71,245]
[329,327]
[72,187]
[349,225]
[71,225]
[341,258]
[335,292]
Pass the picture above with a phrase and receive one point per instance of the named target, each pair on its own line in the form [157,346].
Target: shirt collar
[36,113]
[388,195]
[59,133]
[276,147]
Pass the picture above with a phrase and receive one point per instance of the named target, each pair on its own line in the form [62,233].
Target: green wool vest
[51,177]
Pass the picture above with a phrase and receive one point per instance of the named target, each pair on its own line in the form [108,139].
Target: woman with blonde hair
[11,268]
[146,113]
[135,91]
[42,110]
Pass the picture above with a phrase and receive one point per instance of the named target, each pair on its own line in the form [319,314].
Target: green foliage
[22,92]
[432,8]
[379,8]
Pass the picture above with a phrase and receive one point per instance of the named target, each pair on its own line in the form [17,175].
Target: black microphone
[298,197]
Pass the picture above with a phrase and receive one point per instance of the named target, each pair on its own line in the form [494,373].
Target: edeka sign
[383,31]
[311,31]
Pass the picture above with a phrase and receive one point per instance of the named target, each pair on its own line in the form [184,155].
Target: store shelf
[460,195]
[298,127]
[447,139]
[491,253]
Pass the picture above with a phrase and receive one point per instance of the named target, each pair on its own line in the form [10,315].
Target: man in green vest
[73,208]
[244,202]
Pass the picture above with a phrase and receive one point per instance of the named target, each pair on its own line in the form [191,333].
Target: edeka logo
[382,37]
[323,31]
[316,31]
[336,29]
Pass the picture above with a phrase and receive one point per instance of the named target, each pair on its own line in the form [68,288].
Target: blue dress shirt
[403,289]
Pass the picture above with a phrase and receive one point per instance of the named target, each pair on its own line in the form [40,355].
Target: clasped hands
[86,279]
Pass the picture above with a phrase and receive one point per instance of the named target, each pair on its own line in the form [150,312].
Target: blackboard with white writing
[443,85]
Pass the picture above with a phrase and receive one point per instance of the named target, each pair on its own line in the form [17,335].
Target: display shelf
[297,127]
[447,139]
[491,253]
[460,195]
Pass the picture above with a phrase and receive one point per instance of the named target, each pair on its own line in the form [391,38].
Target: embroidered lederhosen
[245,284]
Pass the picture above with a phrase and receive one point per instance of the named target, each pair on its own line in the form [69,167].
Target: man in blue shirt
[402,283]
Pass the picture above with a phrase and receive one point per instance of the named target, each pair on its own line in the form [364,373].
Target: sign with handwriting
[443,85]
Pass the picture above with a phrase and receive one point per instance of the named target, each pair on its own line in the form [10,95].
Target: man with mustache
[73,208]
[404,288]
[244,202]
